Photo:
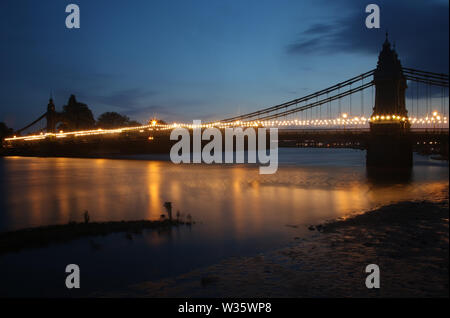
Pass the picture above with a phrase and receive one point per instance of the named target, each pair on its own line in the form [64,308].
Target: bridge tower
[51,116]
[389,143]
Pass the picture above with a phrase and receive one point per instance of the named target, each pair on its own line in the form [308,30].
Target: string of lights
[344,121]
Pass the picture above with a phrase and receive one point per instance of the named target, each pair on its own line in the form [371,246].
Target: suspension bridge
[388,110]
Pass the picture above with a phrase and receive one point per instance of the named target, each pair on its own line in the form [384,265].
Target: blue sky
[200,59]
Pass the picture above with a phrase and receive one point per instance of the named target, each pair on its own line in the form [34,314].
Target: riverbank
[409,242]
[15,241]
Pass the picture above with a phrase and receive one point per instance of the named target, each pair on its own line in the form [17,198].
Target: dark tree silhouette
[76,115]
[134,123]
[115,120]
[5,131]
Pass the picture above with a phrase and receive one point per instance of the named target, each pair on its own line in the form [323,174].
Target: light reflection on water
[239,211]
[230,199]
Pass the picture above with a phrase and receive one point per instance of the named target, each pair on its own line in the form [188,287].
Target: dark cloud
[128,99]
[137,103]
[307,45]
[318,28]
[168,111]
[151,111]
[420,31]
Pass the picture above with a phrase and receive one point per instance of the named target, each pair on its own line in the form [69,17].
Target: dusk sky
[200,59]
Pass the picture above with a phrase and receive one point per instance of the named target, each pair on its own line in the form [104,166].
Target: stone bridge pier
[389,143]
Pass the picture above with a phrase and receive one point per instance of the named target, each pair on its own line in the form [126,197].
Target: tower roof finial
[386,43]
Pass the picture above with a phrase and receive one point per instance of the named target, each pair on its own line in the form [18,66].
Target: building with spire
[52,116]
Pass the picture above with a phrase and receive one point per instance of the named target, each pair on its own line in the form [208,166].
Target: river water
[238,212]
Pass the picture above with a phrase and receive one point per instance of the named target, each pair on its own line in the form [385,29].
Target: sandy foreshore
[409,242]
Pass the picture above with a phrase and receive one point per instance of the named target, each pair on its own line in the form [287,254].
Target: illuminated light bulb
[435,113]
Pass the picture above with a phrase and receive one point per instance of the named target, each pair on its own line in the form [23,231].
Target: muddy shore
[409,242]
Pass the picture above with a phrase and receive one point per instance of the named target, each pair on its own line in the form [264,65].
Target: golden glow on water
[153,182]
[232,201]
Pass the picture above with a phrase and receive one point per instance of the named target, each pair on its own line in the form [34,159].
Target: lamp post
[344,115]
[435,115]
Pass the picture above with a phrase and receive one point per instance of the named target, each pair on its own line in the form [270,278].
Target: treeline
[78,116]
[5,131]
